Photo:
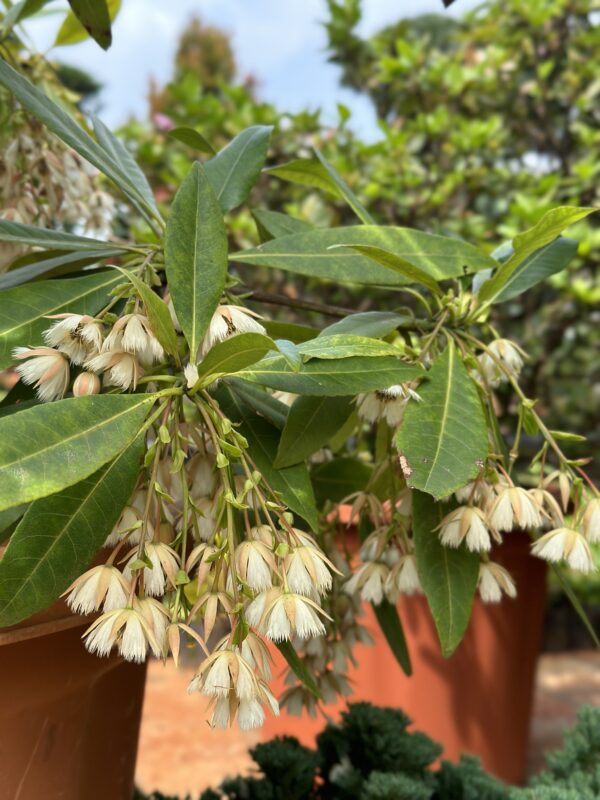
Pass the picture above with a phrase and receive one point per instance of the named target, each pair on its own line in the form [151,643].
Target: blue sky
[280,42]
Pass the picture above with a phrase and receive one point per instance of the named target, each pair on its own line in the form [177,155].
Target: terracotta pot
[478,701]
[69,721]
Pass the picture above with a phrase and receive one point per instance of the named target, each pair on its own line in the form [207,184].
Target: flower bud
[86,383]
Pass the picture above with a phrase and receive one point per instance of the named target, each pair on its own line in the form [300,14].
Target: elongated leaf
[309,253]
[366,323]
[19,12]
[158,314]
[233,354]
[311,423]
[87,18]
[34,236]
[7,518]
[293,483]
[400,265]
[56,264]
[345,191]
[59,535]
[335,480]
[261,401]
[54,445]
[192,138]
[391,627]
[64,126]
[552,258]
[549,228]
[448,575]
[23,310]
[235,169]
[271,224]
[347,376]
[195,255]
[126,163]
[289,330]
[298,667]
[346,345]
[306,172]
[444,438]
[291,354]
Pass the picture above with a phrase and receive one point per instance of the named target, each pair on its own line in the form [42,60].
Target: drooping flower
[125,628]
[565,544]
[281,615]
[508,354]
[307,570]
[546,502]
[388,404]
[228,321]
[122,369]
[165,564]
[591,520]
[102,586]
[256,564]
[369,579]
[514,508]
[403,579]
[46,369]
[133,334]
[493,581]
[468,524]
[77,335]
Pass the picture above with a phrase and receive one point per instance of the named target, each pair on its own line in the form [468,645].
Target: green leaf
[448,575]
[192,138]
[400,265]
[318,377]
[64,263]
[234,354]
[298,667]
[59,535]
[64,126]
[293,483]
[367,323]
[306,172]
[552,258]
[291,354]
[343,345]
[7,518]
[126,163]
[235,169]
[54,445]
[33,236]
[310,254]
[271,224]
[344,191]
[158,314]
[23,310]
[311,423]
[334,480]
[444,438]
[261,401]
[88,18]
[551,225]
[391,627]
[289,330]
[195,255]
[19,12]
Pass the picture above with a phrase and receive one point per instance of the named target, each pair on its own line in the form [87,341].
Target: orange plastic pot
[69,722]
[479,700]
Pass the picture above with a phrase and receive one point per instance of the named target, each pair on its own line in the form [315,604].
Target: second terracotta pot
[478,701]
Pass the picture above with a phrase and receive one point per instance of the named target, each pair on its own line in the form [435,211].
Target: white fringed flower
[125,628]
[403,579]
[388,404]
[551,514]
[228,321]
[508,354]
[157,617]
[46,369]
[493,581]
[165,565]
[468,524]
[133,334]
[369,579]
[307,570]
[203,476]
[477,491]
[255,563]
[281,615]
[77,335]
[514,508]
[591,520]
[102,586]
[122,369]
[565,544]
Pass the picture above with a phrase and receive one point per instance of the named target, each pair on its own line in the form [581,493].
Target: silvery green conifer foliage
[200,452]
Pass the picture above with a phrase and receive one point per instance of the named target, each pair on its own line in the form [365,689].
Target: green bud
[222,461]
